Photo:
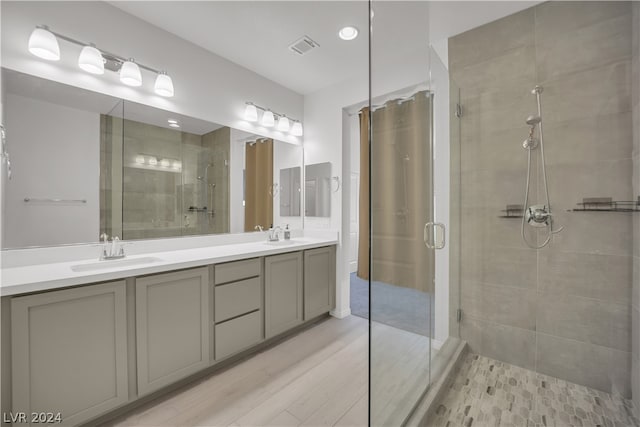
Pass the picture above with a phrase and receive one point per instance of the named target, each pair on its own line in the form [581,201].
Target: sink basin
[103,265]
[285,242]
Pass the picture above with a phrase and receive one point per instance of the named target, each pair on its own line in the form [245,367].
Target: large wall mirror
[86,164]
[317,190]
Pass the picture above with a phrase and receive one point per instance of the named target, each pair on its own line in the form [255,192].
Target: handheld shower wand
[537,215]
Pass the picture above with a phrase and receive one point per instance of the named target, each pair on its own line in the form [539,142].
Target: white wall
[55,153]
[207,86]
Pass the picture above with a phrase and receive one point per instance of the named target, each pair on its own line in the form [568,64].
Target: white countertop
[50,276]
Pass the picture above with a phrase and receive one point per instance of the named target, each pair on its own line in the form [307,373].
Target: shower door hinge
[458,110]
[459,315]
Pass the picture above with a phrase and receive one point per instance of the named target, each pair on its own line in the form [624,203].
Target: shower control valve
[538,216]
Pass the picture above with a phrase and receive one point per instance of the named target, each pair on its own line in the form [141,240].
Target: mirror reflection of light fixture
[90,60]
[267,119]
[164,84]
[296,129]
[251,113]
[130,73]
[43,44]
[283,124]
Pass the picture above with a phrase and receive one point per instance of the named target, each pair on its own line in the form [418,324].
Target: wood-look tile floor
[316,378]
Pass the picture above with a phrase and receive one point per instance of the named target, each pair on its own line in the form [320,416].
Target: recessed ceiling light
[348,33]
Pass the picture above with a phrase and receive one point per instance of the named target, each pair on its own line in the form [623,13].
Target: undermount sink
[103,265]
[285,242]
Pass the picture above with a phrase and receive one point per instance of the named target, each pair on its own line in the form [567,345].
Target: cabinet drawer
[236,298]
[238,334]
[237,270]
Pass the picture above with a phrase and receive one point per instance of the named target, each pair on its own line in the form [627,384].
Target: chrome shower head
[533,120]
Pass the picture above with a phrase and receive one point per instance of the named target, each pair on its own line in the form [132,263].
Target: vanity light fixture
[296,129]
[269,118]
[283,124]
[130,73]
[172,121]
[251,112]
[348,33]
[164,85]
[174,125]
[43,43]
[91,60]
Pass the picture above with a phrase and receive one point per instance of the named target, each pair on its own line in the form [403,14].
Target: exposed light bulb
[348,33]
[153,161]
[43,44]
[90,60]
[296,129]
[164,85]
[165,163]
[268,120]
[251,113]
[140,160]
[177,165]
[130,74]
[283,124]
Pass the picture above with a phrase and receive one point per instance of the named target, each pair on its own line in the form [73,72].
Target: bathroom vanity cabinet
[319,281]
[283,293]
[69,352]
[238,295]
[172,327]
[84,351]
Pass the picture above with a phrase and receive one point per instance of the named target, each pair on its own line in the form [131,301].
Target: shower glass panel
[174,182]
[401,266]
[152,178]
[548,303]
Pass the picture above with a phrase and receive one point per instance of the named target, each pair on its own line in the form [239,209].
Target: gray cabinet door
[172,327]
[69,351]
[283,292]
[319,281]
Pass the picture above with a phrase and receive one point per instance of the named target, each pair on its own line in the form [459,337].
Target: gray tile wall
[635,300]
[564,310]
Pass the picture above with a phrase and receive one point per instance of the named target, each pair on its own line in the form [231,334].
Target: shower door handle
[430,237]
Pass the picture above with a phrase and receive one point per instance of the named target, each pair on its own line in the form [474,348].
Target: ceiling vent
[303,45]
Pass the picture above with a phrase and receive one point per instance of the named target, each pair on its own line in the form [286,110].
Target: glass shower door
[402,230]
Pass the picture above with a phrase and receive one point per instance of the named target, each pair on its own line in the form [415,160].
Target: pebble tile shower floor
[486,392]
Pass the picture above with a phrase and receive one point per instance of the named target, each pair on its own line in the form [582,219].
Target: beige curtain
[363,214]
[258,208]
[401,192]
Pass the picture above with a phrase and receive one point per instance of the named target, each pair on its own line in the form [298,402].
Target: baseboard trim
[340,314]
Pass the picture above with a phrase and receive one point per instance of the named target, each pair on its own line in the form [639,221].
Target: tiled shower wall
[564,310]
[636,191]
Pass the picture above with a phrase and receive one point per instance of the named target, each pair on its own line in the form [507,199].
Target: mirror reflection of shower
[537,215]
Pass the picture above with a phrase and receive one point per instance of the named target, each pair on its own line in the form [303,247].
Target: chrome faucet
[113,250]
[273,234]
